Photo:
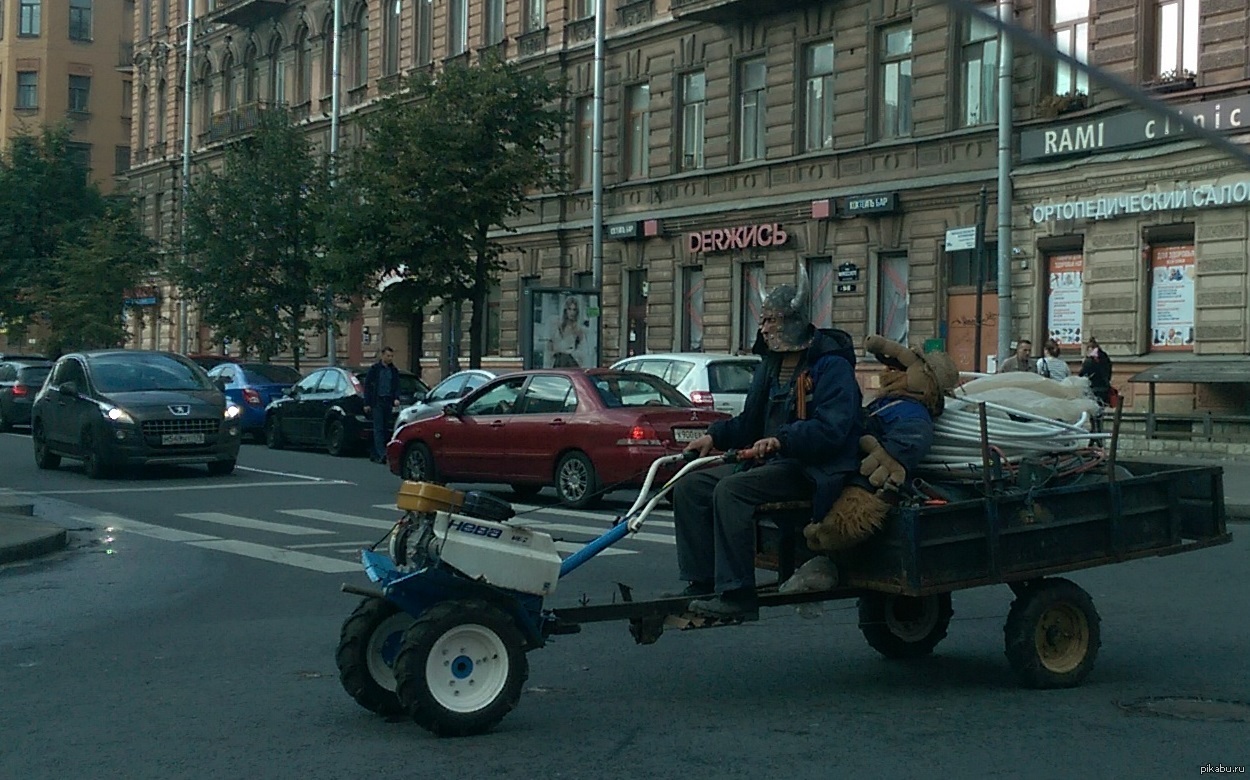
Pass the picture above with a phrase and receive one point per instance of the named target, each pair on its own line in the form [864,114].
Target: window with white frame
[80,20]
[637,130]
[583,141]
[752,107]
[818,96]
[894,119]
[457,27]
[1177,22]
[693,119]
[80,94]
[692,308]
[390,36]
[1070,23]
[535,15]
[979,72]
[495,22]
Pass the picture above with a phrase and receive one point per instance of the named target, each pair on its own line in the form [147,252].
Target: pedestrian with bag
[1050,365]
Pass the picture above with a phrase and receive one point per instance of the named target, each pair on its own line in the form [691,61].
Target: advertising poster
[1172,298]
[564,329]
[1064,302]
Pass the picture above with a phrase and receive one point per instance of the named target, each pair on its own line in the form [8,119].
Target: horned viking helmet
[788,305]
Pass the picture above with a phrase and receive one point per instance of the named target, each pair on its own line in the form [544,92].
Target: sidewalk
[24,536]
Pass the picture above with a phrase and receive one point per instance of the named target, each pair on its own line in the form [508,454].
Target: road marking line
[348,546]
[257,525]
[283,474]
[177,488]
[641,536]
[118,523]
[336,517]
[280,555]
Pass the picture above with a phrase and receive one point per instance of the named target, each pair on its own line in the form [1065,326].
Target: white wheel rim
[917,628]
[467,668]
[384,644]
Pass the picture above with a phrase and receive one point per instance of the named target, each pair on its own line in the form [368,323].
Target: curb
[22,538]
[35,546]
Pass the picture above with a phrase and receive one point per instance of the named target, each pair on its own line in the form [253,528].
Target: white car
[712,381]
[448,391]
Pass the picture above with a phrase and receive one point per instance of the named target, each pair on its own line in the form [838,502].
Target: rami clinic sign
[741,237]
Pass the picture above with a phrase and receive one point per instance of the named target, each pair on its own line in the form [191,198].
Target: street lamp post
[336,82]
[596,147]
[184,332]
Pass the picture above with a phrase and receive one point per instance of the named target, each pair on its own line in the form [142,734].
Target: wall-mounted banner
[1172,299]
[741,237]
[1201,196]
[1065,306]
[562,330]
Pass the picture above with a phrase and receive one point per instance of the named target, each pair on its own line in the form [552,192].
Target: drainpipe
[1005,100]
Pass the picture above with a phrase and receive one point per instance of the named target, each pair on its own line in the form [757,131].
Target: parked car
[253,386]
[450,390]
[24,356]
[327,409]
[207,362]
[20,380]
[710,380]
[118,408]
[579,430]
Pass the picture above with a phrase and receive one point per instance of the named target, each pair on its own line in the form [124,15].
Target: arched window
[303,66]
[390,36]
[229,98]
[143,118]
[160,112]
[423,32]
[251,75]
[276,89]
[327,56]
[206,98]
[360,47]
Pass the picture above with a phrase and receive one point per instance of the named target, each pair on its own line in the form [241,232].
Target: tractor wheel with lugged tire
[904,626]
[368,644]
[274,439]
[418,463]
[336,439]
[44,457]
[1052,634]
[461,668]
[577,484]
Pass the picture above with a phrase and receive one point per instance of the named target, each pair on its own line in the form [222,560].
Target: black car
[327,409]
[20,380]
[114,409]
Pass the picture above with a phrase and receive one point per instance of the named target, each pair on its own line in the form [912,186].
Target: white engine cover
[506,556]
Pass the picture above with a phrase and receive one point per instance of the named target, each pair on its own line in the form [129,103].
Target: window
[964,264]
[303,66]
[1178,37]
[251,76]
[164,12]
[276,88]
[583,9]
[692,308]
[693,122]
[327,57]
[27,89]
[818,97]
[820,303]
[752,75]
[228,96]
[1070,22]
[1172,296]
[499,399]
[28,22]
[458,27]
[493,327]
[80,20]
[637,131]
[425,32]
[160,112]
[79,155]
[636,311]
[206,99]
[549,395]
[535,15]
[121,159]
[583,142]
[158,217]
[143,118]
[751,298]
[494,22]
[892,296]
[127,98]
[360,47]
[979,62]
[79,94]
[895,83]
[145,16]
[390,37]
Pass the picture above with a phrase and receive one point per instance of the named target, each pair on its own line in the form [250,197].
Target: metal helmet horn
[789,305]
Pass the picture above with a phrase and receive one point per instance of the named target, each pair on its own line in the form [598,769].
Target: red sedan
[579,430]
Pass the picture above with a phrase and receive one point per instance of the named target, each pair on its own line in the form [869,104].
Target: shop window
[962,266]
[818,97]
[458,27]
[752,107]
[80,94]
[1172,277]
[637,313]
[637,130]
[1070,24]
[693,119]
[80,20]
[692,308]
[751,300]
[390,37]
[1065,297]
[494,22]
[979,64]
[583,142]
[820,279]
[424,32]
[1177,22]
[894,82]
[893,296]
[492,327]
[535,15]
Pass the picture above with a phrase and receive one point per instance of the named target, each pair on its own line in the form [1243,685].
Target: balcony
[732,10]
[244,13]
[238,122]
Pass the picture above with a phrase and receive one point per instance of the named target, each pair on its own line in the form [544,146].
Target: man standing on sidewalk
[381,396]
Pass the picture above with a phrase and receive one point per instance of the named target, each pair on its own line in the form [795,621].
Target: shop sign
[1132,128]
[1112,206]
[142,296]
[870,204]
[848,272]
[623,230]
[961,239]
[741,237]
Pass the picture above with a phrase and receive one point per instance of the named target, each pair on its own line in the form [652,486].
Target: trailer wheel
[368,644]
[1052,634]
[904,626]
[461,668]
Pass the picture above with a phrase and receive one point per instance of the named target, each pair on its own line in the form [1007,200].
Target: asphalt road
[189,632]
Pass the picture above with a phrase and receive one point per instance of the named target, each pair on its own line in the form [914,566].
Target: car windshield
[266,374]
[631,389]
[128,373]
[409,384]
[34,375]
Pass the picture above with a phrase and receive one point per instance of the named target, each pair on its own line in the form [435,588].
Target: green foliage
[254,240]
[447,161]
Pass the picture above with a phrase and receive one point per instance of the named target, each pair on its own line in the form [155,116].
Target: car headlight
[232,412]
[116,414]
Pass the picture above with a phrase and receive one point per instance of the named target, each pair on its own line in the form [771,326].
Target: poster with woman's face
[565,329]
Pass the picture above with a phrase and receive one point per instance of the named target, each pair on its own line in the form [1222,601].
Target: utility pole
[336,108]
[596,163]
[1005,102]
[979,252]
[184,332]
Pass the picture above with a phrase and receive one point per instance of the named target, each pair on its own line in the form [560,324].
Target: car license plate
[182,438]
[688,434]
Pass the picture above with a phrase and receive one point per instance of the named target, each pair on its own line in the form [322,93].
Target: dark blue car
[252,386]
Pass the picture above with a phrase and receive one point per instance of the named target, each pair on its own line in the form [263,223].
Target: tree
[254,240]
[449,160]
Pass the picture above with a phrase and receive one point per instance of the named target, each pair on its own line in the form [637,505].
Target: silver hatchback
[712,381]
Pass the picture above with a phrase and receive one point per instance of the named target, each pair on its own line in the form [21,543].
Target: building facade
[745,141]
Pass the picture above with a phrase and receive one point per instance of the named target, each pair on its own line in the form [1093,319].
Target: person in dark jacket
[1097,366]
[381,397]
[802,415]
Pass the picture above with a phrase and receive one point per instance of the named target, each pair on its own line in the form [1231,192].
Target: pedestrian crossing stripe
[338,517]
[256,525]
[264,552]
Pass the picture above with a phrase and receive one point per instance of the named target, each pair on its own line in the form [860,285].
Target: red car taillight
[703,398]
[20,391]
[251,397]
[640,436]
